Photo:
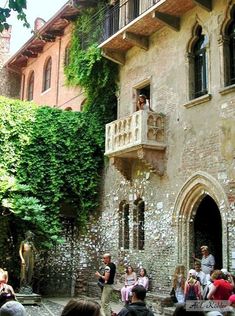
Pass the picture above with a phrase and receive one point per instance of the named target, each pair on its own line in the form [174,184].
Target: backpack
[191,295]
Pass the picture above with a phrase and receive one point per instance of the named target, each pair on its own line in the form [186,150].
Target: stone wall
[199,162]
[9,82]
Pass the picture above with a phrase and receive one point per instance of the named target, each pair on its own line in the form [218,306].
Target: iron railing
[110,19]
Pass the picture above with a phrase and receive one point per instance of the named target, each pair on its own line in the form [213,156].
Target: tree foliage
[17,6]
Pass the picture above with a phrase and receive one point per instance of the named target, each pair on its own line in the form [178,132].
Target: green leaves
[13,5]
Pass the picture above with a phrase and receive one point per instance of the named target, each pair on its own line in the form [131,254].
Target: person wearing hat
[192,289]
[12,308]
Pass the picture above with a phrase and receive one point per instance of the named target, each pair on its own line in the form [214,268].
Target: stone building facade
[9,85]
[169,186]
[169,182]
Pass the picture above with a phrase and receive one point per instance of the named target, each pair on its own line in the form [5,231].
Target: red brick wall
[58,95]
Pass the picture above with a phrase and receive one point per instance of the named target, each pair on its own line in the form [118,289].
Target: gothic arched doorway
[208,229]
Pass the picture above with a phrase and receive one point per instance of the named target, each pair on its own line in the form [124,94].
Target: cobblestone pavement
[54,307]
[47,308]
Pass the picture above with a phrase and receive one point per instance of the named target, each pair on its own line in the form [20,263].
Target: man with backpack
[137,306]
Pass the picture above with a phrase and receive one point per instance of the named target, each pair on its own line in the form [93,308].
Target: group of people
[203,282]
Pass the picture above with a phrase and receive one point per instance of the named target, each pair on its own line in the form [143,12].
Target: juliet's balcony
[138,136]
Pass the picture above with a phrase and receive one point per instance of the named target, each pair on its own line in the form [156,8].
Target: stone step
[168,311]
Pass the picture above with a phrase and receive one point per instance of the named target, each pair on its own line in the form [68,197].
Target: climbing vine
[51,157]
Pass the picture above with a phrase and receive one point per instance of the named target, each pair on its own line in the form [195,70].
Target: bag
[191,295]
[100,283]
[6,295]
[173,297]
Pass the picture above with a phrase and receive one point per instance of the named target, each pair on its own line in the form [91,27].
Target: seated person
[143,279]
[130,281]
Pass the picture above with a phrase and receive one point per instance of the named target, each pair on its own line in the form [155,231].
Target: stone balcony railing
[137,136]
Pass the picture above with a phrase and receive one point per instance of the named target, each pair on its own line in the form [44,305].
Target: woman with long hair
[130,281]
[179,282]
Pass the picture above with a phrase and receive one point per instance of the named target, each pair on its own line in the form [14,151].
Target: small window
[66,55]
[47,75]
[200,64]
[145,91]
[138,224]
[30,87]
[124,235]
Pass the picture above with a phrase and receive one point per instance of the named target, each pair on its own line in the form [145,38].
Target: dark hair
[145,272]
[81,308]
[140,292]
[129,267]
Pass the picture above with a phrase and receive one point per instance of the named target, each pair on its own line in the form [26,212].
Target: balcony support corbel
[153,159]
[123,165]
[169,20]
[205,4]
[137,40]
[113,55]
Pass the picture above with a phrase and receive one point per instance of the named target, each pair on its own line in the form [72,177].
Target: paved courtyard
[54,307]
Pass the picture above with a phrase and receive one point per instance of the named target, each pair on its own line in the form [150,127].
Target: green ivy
[49,157]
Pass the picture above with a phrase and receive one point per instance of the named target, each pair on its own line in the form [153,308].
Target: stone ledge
[197,101]
[228,89]
[29,299]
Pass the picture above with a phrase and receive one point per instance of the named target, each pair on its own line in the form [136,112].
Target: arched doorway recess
[190,199]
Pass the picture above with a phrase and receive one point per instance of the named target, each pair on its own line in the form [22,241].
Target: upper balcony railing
[141,129]
[110,19]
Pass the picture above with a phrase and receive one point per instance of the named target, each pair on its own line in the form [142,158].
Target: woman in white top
[130,281]
[143,279]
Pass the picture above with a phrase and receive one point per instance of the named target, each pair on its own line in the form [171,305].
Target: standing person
[201,276]
[137,306]
[207,261]
[27,253]
[6,291]
[179,282]
[192,288]
[143,279]
[108,277]
[143,103]
[220,289]
[130,281]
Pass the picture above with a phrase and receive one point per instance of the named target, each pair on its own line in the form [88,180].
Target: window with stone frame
[124,226]
[138,224]
[30,88]
[198,64]
[47,74]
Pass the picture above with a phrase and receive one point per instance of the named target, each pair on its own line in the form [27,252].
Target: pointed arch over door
[187,204]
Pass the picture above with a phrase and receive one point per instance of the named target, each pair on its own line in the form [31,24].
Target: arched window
[231,36]
[200,64]
[66,55]
[124,234]
[138,224]
[47,74]
[30,86]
